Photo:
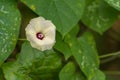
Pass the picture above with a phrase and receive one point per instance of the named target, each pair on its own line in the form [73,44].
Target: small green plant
[74,56]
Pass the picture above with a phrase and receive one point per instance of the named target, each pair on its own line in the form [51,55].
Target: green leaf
[85,53]
[99,75]
[89,1]
[9,27]
[64,13]
[99,16]
[62,47]
[11,72]
[75,30]
[86,41]
[114,3]
[69,72]
[33,64]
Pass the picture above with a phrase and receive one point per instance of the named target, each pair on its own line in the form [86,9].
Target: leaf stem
[107,59]
[109,55]
[22,39]
[112,72]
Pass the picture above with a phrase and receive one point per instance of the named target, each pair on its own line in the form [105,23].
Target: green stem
[22,39]
[107,59]
[110,54]
[112,72]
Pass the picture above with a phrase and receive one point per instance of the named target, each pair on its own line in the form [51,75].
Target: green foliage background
[74,56]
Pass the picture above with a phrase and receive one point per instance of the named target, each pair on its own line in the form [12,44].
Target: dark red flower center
[40,35]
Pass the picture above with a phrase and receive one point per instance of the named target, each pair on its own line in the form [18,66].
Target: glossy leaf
[99,16]
[64,13]
[69,72]
[85,53]
[114,3]
[9,27]
[33,64]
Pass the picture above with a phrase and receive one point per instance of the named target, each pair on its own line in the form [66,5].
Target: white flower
[41,33]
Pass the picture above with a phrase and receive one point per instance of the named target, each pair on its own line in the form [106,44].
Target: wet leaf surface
[9,27]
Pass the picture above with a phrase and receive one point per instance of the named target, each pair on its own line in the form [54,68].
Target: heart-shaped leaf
[64,13]
[85,53]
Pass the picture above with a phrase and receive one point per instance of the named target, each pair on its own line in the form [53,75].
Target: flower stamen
[40,36]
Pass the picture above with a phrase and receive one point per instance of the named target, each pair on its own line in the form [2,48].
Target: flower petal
[46,27]
[36,23]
